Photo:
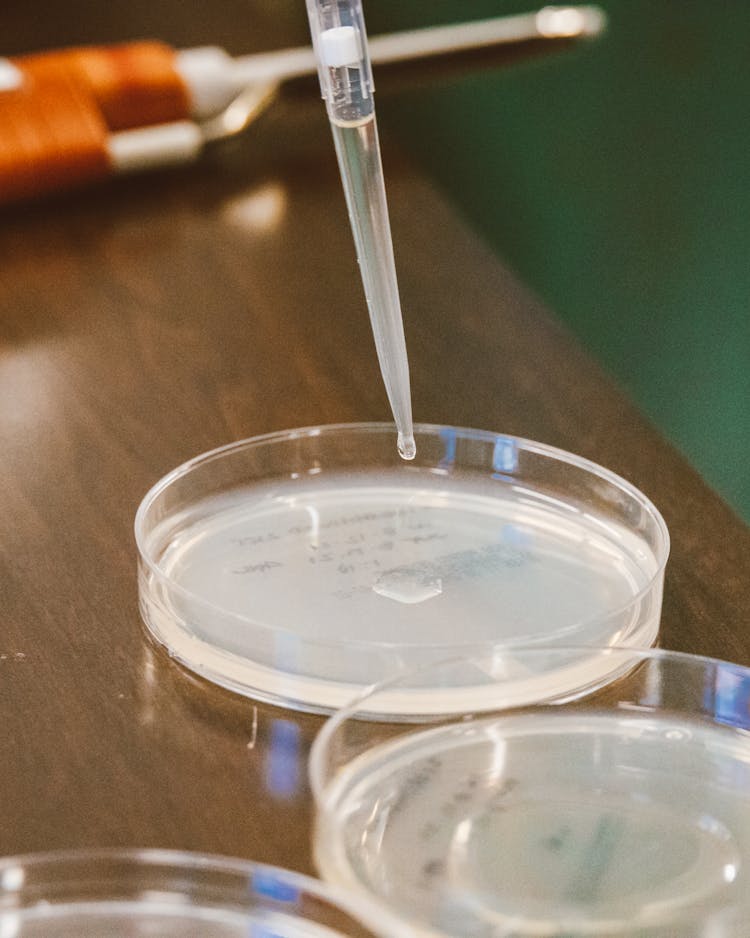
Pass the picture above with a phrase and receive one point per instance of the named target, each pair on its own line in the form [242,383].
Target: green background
[614,178]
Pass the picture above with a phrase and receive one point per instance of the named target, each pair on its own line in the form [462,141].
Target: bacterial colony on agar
[563,824]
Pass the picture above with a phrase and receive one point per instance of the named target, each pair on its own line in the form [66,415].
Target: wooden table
[152,319]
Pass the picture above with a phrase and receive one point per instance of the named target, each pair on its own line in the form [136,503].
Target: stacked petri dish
[623,813]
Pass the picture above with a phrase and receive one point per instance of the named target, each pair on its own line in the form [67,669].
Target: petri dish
[302,566]
[139,893]
[623,813]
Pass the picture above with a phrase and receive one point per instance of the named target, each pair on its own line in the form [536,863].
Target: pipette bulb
[407,448]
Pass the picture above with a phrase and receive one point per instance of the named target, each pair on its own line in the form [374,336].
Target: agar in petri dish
[121,894]
[301,566]
[627,813]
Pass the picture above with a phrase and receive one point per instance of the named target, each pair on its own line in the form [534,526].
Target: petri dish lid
[301,567]
[126,893]
[625,813]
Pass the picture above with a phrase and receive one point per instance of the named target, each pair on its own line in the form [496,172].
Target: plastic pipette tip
[407,448]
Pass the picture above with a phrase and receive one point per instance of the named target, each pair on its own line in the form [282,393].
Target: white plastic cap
[209,74]
[11,77]
[157,145]
[340,43]
[561,22]
[339,46]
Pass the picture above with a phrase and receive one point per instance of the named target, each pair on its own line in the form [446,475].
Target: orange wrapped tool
[62,108]
[53,136]
[133,84]
[77,115]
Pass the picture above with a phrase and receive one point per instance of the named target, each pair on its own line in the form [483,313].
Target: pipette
[340,44]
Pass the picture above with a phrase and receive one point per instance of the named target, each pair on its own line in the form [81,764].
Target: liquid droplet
[407,448]
[407,588]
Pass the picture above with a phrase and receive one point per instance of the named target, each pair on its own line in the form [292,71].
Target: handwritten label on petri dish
[371,542]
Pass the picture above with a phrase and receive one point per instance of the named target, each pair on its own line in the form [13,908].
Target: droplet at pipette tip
[340,43]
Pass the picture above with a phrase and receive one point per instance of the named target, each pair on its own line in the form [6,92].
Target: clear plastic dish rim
[488,436]
[190,865]
[369,908]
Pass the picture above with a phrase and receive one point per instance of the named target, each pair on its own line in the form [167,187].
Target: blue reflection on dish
[505,455]
[283,759]
[727,696]
[271,886]
[448,459]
